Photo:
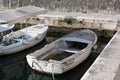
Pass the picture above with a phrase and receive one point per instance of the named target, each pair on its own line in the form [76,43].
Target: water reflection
[39,76]
[15,67]
[2,75]
[17,71]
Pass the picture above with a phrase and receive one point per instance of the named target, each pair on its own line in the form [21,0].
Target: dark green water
[15,67]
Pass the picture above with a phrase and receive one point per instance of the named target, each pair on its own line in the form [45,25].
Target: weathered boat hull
[52,67]
[42,62]
[23,44]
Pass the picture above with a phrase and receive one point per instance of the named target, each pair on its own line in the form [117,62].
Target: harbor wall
[65,22]
[117,76]
[97,21]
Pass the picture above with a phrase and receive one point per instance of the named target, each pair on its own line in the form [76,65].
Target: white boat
[6,27]
[64,53]
[23,39]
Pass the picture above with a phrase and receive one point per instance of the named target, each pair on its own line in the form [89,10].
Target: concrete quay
[82,20]
[107,64]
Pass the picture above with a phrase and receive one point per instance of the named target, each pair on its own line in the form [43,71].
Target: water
[15,67]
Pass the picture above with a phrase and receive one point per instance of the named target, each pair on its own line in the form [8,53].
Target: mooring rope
[38,66]
[53,76]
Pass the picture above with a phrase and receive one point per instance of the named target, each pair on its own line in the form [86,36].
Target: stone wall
[104,6]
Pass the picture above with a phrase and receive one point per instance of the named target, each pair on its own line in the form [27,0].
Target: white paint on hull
[38,62]
[24,44]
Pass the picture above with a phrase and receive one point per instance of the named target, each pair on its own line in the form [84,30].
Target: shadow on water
[15,67]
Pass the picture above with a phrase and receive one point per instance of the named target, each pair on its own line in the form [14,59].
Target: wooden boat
[64,53]
[23,39]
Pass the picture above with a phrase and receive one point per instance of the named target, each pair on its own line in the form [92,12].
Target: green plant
[81,22]
[36,19]
[68,20]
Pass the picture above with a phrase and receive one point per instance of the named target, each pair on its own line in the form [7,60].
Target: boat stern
[49,67]
[30,60]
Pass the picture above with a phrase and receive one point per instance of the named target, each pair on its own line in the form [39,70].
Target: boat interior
[12,38]
[65,49]
[76,45]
